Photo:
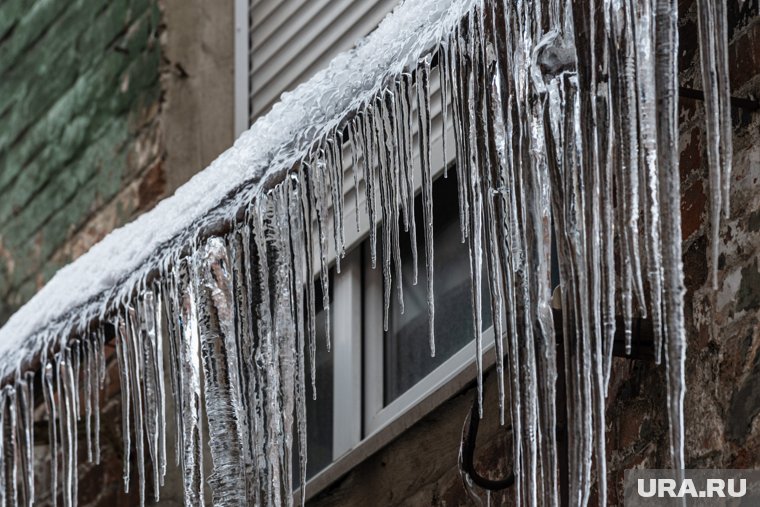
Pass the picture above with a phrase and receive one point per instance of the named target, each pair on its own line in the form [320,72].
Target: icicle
[190,386]
[309,277]
[285,333]
[11,448]
[589,265]
[67,393]
[26,433]
[713,49]
[134,352]
[606,151]
[367,135]
[353,136]
[161,391]
[87,358]
[337,156]
[153,384]
[386,215]
[648,134]
[250,372]
[332,182]
[724,91]
[474,115]
[454,78]
[630,133]
[423,119]
[75,350]
[670,199]
[126,396]
[443,77]
[319,194]
[395,192]
[298,276]
[521,159]
[244,347]
[496,210]
[222,385]
[401,161]
[171,303]
[52,414]
[96,377]
[626,157]
[267,360]
[406,101]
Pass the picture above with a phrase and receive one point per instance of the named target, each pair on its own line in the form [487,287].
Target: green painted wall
[79,101]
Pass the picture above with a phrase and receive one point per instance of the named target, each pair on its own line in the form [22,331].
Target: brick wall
[105,108]
[79,141]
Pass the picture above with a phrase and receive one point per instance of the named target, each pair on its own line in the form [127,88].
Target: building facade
[106,109]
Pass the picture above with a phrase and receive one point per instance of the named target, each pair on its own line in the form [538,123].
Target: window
[406,354]
[381,377]
[398,361]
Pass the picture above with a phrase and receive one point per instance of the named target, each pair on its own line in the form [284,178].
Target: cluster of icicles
[565,122]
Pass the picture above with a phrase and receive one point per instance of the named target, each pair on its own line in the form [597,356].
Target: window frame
[376,414]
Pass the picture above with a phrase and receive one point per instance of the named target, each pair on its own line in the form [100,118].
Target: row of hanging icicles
[565,121]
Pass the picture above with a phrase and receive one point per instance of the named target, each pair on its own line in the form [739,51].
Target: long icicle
[670,199]
[48,393]
[423,120]
[124,369]
[24,394]
[190,381]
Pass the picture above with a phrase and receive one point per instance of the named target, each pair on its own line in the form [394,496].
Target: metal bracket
[742,103]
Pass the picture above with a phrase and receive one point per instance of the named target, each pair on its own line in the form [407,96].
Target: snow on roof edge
[110,270]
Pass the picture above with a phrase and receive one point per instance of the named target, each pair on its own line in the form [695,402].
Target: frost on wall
[564,117]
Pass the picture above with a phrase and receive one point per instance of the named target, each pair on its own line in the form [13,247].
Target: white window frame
[377,415]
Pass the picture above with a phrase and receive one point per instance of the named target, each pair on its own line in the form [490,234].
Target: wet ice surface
[565,125]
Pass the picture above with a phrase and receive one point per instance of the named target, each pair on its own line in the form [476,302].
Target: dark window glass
[319,412]
[407,353]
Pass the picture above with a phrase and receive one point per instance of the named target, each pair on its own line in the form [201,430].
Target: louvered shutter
[291,40]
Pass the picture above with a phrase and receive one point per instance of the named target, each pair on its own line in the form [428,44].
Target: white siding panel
[291,40]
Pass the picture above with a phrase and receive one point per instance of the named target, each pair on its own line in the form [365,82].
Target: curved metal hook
[468,455]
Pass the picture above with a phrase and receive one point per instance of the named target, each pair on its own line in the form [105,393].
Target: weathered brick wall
[79,140]
[723,359]
[105,108]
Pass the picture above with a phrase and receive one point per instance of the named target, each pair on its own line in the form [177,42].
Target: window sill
[455,380]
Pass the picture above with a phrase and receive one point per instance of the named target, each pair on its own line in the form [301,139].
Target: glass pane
[407,353]
[319,412]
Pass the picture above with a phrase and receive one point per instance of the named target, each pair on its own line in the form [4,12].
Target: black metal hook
[468,454]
